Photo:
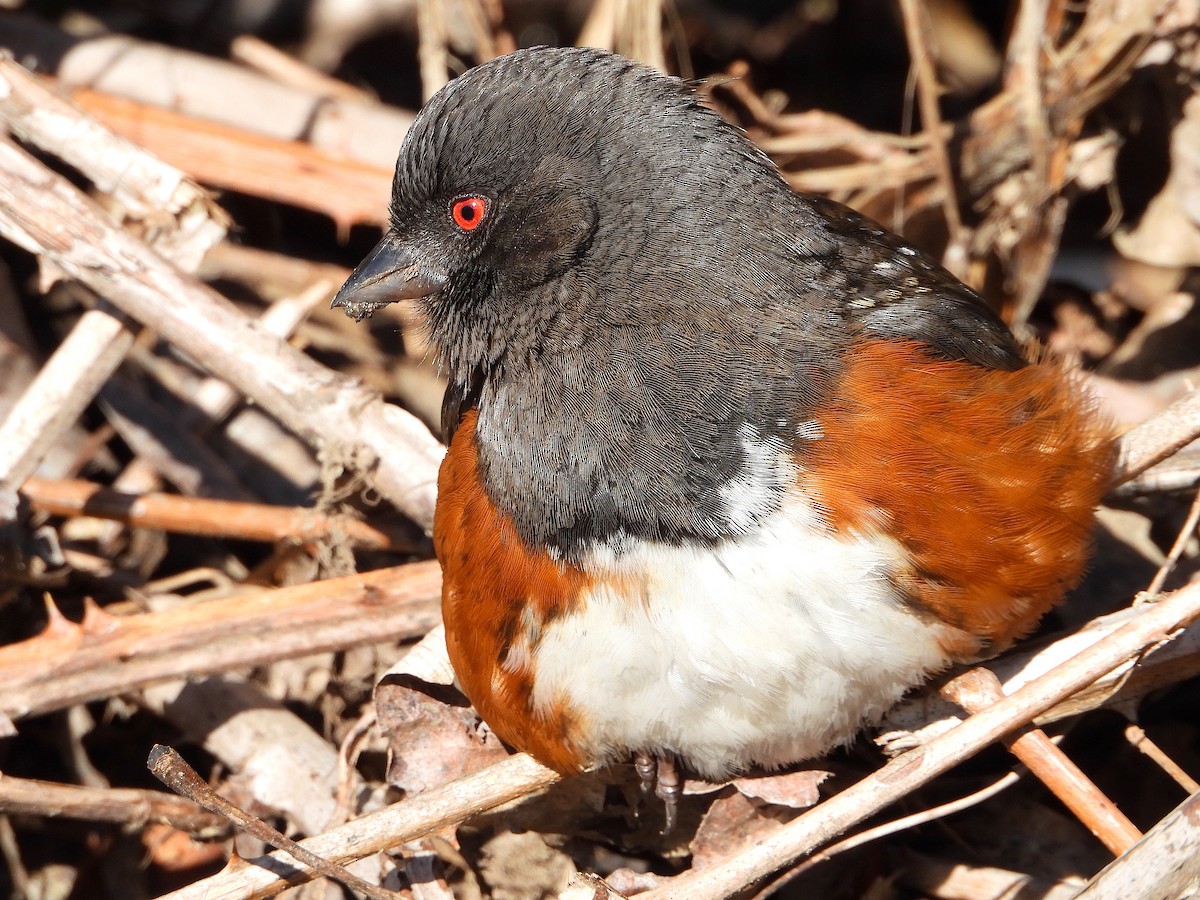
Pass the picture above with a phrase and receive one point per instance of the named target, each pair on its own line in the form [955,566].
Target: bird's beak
[392,271]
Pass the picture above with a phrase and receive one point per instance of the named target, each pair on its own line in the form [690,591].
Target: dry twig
[43,213]
[348,191]
[268,59]
[1165,863]
[194,515]
[429,812]
[978,689]
[916,28]
[1177,548]
[433,53]
[270,753]
[202,88]
[889,828]
[915,720]
[1141,741]
[106,655]
[1156,439]
[58,395]
[179,219]
[170,768]
[126,806]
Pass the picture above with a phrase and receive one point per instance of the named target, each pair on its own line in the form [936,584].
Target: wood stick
[916,30]
[978,689]
[177,453]
[433,54]
[106,655]
[47,215]
[1156,439]
[918,719]
[1165,863]
[887,829]
[1141,741]
[171,769]
[126,806]
[286,69]
[215,399]
[348,191]
[192,515]
[428,812]
[1181,541]
[205,88]
[186,222]
[267,750]
[59,394]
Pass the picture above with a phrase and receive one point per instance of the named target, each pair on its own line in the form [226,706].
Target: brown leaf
[731,824]
[433,735]
[796,790]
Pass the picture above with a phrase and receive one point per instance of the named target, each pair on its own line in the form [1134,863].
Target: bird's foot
[660,773]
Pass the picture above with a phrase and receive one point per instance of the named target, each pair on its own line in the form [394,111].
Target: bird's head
[533,188]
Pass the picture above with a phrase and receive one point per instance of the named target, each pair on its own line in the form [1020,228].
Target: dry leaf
[433,737]
[731,824]
[433,734]
[796,790]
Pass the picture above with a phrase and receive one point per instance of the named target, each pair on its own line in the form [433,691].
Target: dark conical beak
[392,271]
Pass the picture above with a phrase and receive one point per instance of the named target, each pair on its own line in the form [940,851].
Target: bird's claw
[661,774]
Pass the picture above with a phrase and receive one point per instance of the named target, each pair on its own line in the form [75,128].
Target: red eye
[469,212]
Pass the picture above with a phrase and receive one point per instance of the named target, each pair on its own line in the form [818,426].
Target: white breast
[764,651]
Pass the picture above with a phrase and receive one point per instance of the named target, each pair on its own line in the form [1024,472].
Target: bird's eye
[468,212]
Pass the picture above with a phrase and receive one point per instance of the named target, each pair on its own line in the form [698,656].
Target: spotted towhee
[730,467]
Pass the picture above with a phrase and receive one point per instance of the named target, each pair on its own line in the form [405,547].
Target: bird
[730,467]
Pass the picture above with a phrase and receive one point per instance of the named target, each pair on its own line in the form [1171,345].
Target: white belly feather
[770,650]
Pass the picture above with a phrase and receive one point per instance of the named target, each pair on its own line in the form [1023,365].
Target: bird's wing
[894,292]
